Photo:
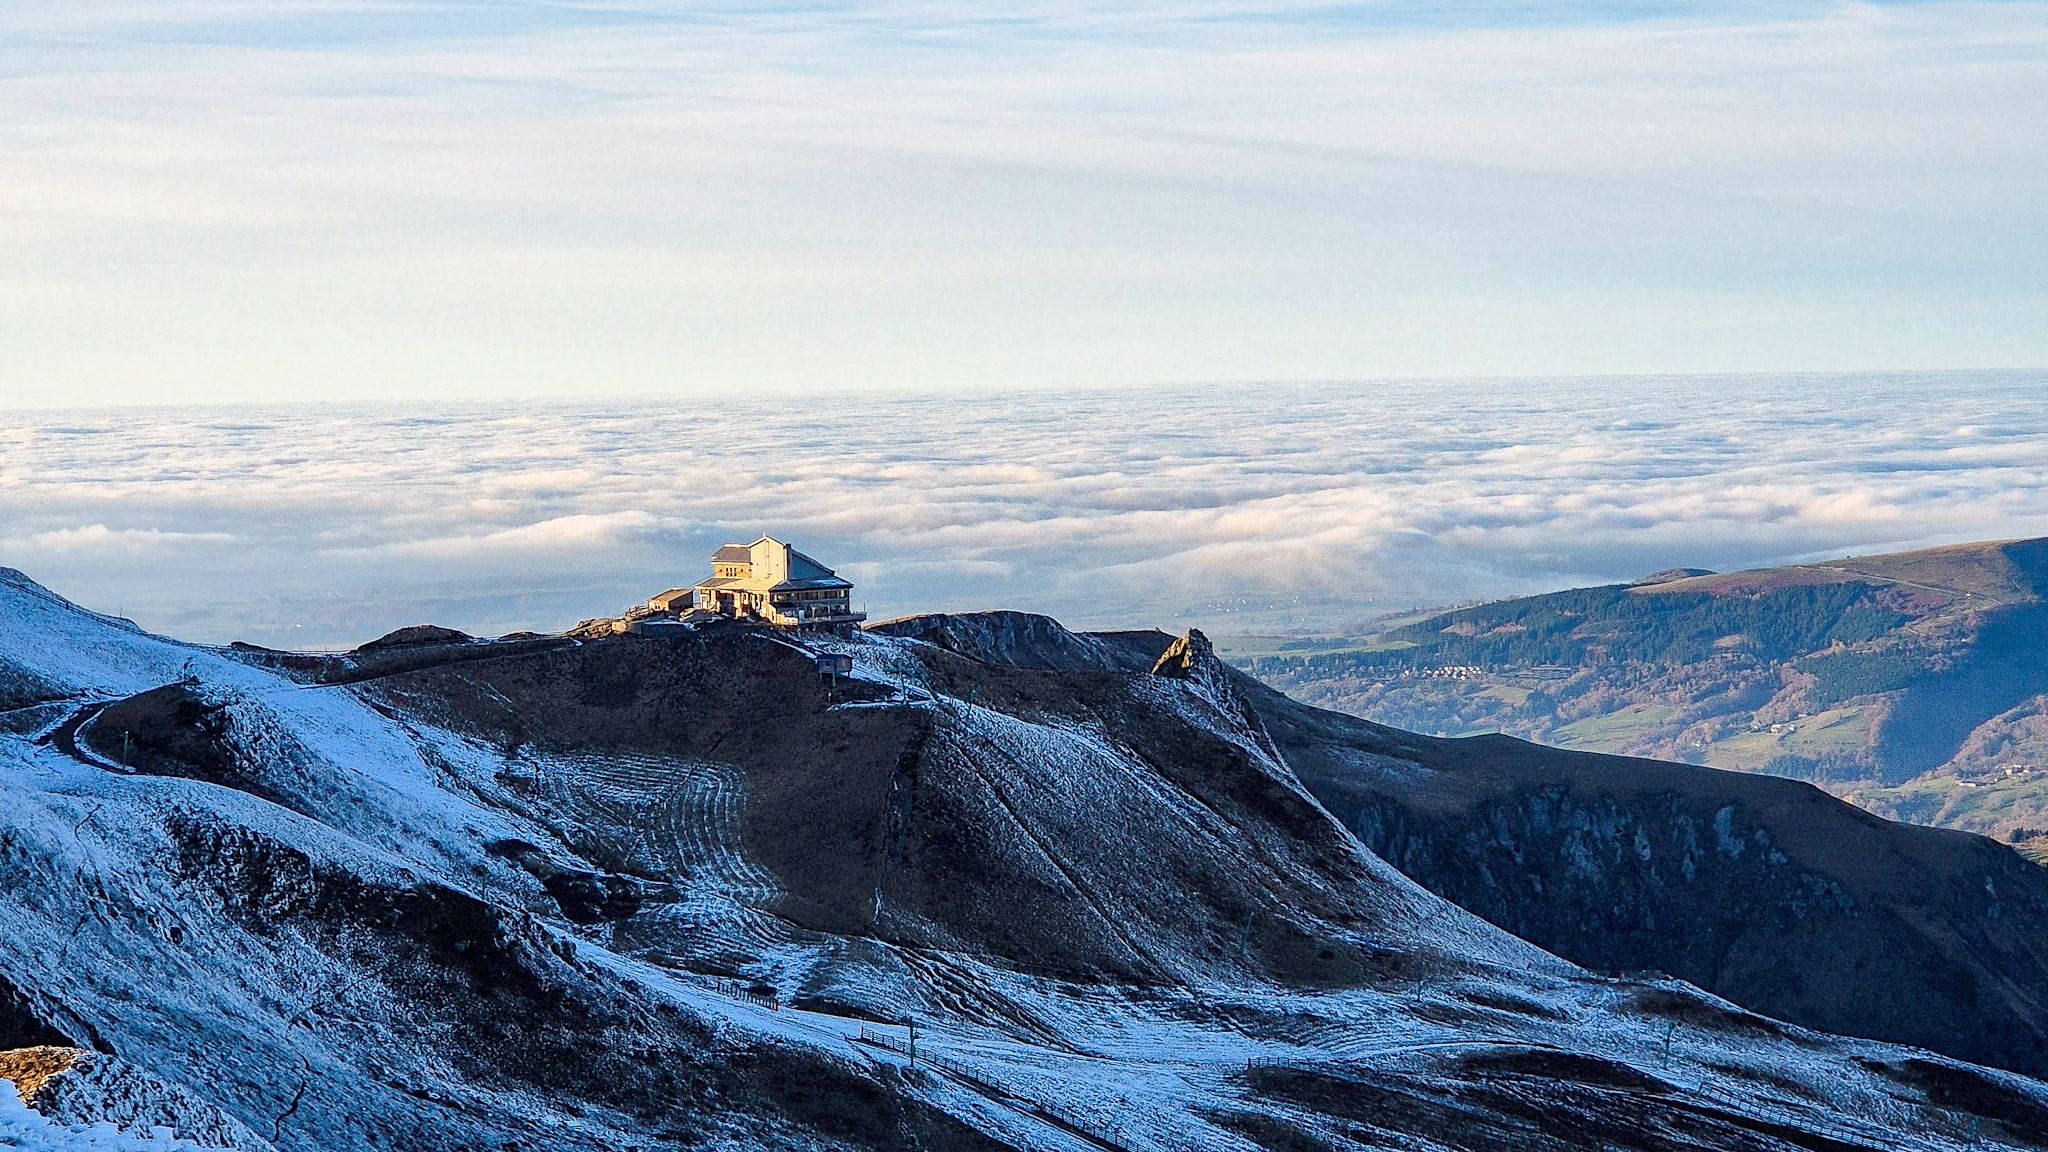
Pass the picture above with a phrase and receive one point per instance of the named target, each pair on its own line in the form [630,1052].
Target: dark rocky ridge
[1768,892]
[1015,640]
[414,635]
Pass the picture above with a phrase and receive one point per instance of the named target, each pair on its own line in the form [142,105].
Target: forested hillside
[1914,684]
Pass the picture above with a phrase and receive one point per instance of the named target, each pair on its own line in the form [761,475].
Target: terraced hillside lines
[619,797]
[1323,1038]
[969,739]
[677,821]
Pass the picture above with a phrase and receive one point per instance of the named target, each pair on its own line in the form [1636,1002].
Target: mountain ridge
[1426,804]
[648,893]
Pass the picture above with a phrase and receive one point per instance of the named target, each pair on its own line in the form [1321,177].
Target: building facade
[772,583]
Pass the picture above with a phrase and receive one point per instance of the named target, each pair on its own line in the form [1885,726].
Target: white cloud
[100,539]
[1285,504]
[560,534]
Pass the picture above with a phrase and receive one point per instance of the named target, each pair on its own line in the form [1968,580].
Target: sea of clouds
[1241,509]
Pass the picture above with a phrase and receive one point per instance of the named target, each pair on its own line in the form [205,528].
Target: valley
[1911,684]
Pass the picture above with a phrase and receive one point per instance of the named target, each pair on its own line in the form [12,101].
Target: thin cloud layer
[1281,506]
[410,198]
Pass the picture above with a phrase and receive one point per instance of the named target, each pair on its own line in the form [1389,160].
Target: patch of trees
[1841,675]
[1611,624]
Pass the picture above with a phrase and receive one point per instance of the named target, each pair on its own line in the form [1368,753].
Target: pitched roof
[804,573]
[802,567]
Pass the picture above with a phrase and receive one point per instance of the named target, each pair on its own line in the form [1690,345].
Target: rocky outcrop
[1192,657]
[415,635]
[76,1087]
[583,895]
[1192,660]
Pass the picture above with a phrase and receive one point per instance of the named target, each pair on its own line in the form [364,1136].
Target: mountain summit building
[770,582]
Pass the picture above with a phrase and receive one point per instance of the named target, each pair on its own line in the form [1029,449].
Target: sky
[257,201]
[1309,507]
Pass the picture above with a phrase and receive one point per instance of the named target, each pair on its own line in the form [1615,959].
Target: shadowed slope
[1766,891]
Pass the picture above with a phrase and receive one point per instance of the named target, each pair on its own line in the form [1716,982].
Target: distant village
[767,582]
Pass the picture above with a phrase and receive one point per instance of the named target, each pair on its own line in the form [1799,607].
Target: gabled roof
[803,573]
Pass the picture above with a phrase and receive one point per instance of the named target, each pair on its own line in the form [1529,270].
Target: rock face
[1188,658]
[23,1025]
[634,895]
[28,1069]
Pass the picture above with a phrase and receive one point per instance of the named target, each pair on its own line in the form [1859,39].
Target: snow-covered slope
[23,1129]
[653,893]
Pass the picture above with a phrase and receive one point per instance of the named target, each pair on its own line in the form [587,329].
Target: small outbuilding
[673,601]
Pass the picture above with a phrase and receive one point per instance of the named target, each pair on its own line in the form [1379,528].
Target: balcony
[803,615]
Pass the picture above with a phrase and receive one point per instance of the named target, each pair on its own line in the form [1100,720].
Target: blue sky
[237,200]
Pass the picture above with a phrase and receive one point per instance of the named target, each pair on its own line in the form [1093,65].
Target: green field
[1613,731]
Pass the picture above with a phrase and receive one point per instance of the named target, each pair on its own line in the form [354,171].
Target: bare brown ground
[31,1068]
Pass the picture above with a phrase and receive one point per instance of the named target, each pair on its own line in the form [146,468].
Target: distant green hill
[1914,684]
